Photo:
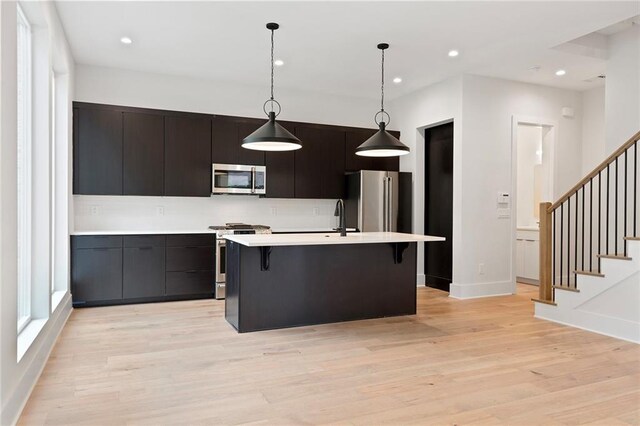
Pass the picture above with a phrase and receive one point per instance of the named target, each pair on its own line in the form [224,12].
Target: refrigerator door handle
[385,202]
[389,204]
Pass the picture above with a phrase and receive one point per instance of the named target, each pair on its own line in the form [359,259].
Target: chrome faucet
[342,227]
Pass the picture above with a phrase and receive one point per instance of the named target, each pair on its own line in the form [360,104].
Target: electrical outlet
[273,211]
[94,210]
[316,211]
[480,268]
[160,211]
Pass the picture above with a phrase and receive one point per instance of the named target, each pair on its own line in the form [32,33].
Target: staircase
[590,250]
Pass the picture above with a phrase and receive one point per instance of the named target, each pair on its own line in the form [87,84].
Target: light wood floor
[482,361]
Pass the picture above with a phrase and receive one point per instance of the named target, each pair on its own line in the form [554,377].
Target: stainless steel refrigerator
[379,201]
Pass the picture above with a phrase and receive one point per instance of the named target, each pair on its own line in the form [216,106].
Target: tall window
[24,169]
[52,188]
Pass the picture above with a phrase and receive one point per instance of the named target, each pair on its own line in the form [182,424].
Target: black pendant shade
[271,136]
[382,143]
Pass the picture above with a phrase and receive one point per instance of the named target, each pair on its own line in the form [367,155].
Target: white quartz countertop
[304,231]
[329,238]
[146,232]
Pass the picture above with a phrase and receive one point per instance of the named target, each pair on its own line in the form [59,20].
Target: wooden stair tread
[590,273]
[614,256]
[562,287]
[632,238]
[546,302]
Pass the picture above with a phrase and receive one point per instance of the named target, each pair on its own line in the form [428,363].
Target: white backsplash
[130,213]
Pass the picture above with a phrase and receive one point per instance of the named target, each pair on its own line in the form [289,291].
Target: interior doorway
[533,168]
[438,205]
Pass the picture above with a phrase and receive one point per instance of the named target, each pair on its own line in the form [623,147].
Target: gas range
[240,228]
[221,248]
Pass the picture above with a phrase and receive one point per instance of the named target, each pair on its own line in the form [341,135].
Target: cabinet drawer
[190,258]
[144,241]
[191,240]
[185,283]
[96,241]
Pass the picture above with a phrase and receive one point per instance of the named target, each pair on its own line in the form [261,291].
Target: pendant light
[271,136]
[382,143]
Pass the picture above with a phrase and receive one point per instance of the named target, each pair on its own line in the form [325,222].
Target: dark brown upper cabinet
[226,142]
[281,171]
[120,150]
[143,160]
[354,163]
[187,158]
[319,164]
[98,151]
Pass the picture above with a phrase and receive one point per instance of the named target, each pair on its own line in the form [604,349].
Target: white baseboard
[420,280]
[42,347]
[588,321]
[477,290]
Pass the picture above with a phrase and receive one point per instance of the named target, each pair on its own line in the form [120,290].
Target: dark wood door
[320,163]
[98,151]
[143,154]
[187,157]
[354,163]
[438,258]
[96,275]
[226,142]
[281,171]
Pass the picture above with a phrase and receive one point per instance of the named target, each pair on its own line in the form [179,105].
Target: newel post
[546,226]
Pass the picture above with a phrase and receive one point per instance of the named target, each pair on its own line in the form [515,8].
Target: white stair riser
[577,308]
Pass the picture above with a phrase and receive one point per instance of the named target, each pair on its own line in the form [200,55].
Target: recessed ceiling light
[126,40]
[560,73]
[397,80]
[453,53]
[278,62]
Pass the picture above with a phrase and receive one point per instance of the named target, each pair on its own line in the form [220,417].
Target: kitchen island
[288,280]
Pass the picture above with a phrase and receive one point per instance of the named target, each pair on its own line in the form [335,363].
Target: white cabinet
[528,256]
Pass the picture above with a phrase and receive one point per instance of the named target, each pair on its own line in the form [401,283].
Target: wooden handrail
[610,159]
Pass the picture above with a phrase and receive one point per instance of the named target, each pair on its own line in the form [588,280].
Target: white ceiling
[331,46]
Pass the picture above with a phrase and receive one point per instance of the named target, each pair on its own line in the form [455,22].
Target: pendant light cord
[272,31]
[382,85]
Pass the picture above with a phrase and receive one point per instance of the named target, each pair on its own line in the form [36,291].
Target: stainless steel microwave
[237,179]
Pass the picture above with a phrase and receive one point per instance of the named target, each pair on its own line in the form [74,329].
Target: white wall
[593,128]
[488,107]
[482,109]
[120,87]
[622,97]
[436,104]
[148,90]
[18,377]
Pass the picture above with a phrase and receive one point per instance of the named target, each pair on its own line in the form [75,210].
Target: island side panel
[308,285]
[232,285]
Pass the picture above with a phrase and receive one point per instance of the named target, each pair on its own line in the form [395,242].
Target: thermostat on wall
[503,198]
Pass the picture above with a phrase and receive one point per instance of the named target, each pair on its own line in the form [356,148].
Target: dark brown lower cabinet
[143,272]
[114,269]
[96,275]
